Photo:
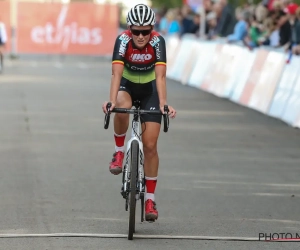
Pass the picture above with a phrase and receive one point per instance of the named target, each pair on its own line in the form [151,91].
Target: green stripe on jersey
[139,77]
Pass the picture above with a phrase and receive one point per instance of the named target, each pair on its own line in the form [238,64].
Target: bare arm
[160,72]
[117,71]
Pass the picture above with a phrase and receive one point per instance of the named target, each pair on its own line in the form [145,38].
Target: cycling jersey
[139,64]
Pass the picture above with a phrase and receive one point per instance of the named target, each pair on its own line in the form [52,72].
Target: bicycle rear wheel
[133,179]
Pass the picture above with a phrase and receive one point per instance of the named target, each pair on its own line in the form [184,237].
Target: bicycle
[133,178]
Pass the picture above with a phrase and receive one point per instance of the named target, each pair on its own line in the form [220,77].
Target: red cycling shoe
[151,213]
[115,167]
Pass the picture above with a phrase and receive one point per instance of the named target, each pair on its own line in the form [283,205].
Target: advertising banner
[77,28]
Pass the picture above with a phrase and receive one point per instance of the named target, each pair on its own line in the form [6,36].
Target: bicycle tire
[133,182]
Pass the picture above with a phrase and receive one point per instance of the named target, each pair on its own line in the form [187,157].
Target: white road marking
[57,64]
[139,236]
[270,220]
[279,185]
[209,113]
[104,219]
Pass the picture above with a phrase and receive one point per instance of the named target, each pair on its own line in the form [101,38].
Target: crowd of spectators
[274,23]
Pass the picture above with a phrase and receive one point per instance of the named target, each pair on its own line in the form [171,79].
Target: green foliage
[178,3]
[166,3]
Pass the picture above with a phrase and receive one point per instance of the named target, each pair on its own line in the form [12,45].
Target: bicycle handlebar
[139,112]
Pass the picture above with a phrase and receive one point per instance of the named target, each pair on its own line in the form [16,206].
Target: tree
[166,3]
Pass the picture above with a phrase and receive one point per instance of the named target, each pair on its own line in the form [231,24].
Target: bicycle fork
[140,185]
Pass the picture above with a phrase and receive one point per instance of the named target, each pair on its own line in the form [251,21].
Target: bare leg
[150,137]
[121,121]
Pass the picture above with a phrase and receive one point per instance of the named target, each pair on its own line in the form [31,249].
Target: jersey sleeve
[120,48]
[160,51]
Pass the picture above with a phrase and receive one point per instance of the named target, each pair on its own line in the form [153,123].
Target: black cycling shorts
[147,95]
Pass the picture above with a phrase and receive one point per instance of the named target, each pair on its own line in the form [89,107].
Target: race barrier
[77,28]
[259,79]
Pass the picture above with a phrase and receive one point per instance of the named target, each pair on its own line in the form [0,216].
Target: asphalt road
[226,171]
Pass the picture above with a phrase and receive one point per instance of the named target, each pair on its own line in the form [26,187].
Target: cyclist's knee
[150,148]
[122,118]
[123,100]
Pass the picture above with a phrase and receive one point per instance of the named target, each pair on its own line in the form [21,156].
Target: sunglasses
[143,32]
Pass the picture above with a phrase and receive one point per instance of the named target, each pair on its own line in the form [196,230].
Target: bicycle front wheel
[133,184]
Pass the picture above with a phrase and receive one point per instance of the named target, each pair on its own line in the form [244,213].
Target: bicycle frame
[135,136]
[130,184]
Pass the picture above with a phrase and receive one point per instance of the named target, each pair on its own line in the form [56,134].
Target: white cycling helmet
[141,15]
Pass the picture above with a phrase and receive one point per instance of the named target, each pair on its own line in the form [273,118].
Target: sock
[150,185]
[119,140]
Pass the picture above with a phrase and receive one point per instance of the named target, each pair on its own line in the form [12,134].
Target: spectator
[187,21]
[217,8]
[158,17]
[277,10]
[261,13]
[208,6]
[284,27]
[275,35]
[269,35]
[240,29]
[3,38]
[195,26]
[212,24]
[226,20]
[170,24]
[3,35]
[254,25]
[294,41]
[297,47]
[254,33]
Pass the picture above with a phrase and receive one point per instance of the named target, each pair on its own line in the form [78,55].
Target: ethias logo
[65,34]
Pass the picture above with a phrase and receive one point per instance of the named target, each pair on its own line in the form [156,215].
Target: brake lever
[108,106]
[166,109]
[107,116]
[166,118]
